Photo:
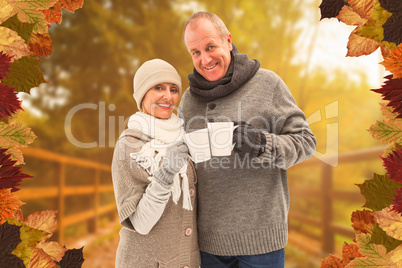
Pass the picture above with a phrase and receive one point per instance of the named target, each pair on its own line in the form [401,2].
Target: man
[243,198]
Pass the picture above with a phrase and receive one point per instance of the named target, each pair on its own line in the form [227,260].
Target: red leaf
[10,175]
[392,91]
[5,64]
[397,202]
[9,102]
[71,5]
[393,164]
[330,8]
[53,14]
[41,45]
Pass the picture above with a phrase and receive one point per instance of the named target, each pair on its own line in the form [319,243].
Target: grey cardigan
[172,242]
[243,203]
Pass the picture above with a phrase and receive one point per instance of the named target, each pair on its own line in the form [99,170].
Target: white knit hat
[151,73]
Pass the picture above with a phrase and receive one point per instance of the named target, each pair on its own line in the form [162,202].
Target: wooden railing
[327,196]
[62,191]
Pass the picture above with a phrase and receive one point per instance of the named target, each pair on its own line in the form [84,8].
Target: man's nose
[205,58]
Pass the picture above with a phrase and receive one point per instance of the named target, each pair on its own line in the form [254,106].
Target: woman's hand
[176,157]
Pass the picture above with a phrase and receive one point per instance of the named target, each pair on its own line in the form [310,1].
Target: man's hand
[248,140]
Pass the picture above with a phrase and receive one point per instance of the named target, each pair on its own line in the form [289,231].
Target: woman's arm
[150,208]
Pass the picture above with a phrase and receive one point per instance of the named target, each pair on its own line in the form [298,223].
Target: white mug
[221,137]
[198,145]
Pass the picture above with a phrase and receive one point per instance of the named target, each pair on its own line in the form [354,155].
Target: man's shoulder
[267,74]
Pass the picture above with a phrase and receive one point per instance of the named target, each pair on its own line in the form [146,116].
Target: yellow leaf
[40,259]
[8,204]
[387,131]
[43,220]
[30,237]
[390,221]
[396,257]
[30,11]
[373,28]
[6,9]
[12,44]
[53,249]
[363,7]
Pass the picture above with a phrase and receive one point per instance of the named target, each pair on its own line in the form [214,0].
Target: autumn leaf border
[376,242]
[24,43]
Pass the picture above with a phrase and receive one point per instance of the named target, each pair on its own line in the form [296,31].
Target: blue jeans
[275,259]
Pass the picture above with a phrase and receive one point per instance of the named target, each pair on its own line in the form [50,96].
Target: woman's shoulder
[132,139]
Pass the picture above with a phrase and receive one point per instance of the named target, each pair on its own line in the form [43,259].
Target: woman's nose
[167,95]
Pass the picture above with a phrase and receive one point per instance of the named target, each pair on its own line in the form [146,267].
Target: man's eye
[195,53]
[210,47]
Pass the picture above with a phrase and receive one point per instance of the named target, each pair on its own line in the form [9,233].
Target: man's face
[210,54]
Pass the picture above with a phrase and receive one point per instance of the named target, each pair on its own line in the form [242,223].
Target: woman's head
[157,88]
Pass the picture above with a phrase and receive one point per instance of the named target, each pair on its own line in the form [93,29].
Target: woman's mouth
[164,106]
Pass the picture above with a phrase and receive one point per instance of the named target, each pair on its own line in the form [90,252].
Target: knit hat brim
[152,73]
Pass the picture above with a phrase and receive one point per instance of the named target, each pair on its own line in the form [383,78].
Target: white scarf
[164,133]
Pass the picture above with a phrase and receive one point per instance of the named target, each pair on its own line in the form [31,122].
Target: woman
[154,182]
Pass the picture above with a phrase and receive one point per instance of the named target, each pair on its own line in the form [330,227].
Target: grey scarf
[240,70]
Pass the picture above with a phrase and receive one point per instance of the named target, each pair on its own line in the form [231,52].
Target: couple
[179,214]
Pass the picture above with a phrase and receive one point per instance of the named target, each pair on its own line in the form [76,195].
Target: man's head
[209,43]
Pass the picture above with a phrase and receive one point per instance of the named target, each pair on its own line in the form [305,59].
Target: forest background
[97,50]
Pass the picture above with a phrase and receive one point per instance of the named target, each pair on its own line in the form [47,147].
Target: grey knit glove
[176,157]
[248,140]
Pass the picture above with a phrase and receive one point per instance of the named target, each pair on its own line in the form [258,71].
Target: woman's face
[161,100]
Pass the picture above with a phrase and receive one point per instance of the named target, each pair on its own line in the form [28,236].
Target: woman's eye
[174,90]
[158,88]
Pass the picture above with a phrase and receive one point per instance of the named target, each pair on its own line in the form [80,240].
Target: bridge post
[326,210]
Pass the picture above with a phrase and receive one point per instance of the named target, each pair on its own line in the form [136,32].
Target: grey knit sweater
[172,242]
[243,203]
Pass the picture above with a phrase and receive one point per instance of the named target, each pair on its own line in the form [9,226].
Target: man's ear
[229,40]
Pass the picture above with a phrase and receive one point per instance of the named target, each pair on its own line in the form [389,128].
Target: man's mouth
[209,68]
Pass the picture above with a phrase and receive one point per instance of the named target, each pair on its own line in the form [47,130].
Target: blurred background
[80,113]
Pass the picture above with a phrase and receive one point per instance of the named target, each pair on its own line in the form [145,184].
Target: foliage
[24,38]
[378,237]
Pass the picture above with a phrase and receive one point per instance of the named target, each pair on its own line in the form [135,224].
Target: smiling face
[161,100]
[209,51]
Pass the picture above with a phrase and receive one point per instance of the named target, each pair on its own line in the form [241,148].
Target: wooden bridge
[313,231]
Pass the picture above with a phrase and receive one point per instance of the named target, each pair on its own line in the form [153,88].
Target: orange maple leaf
[53,14]
[363,221]
[332,262]
[71,5]
[350,252]
[8,204]
[41,45]
[393,62]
